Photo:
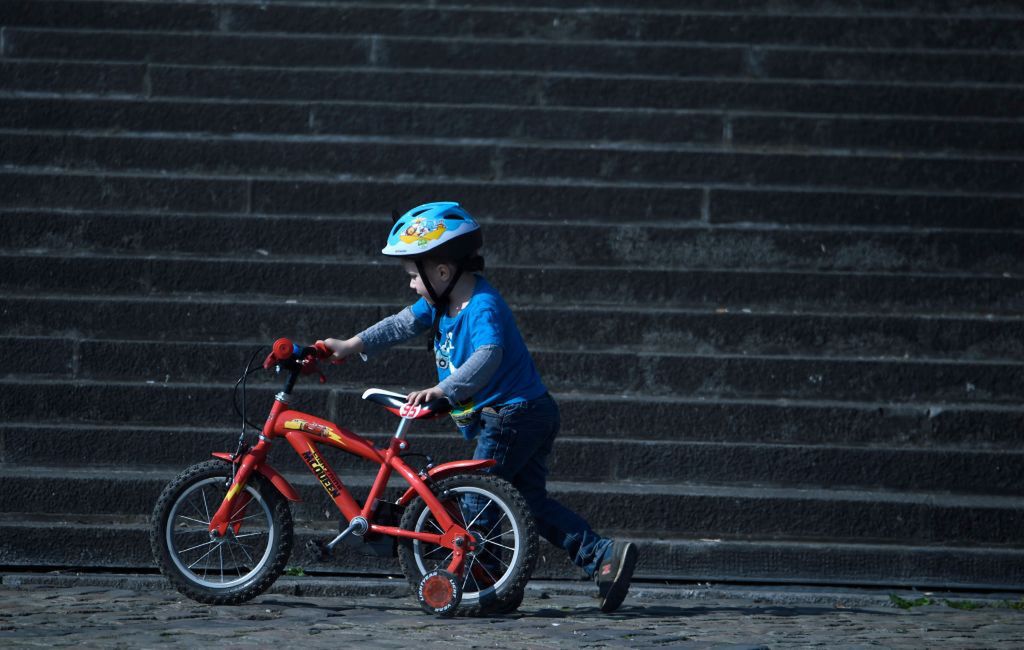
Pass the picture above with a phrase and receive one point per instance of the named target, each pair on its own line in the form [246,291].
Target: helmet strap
[440,301]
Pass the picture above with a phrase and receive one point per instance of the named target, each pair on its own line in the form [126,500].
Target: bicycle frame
[304,432]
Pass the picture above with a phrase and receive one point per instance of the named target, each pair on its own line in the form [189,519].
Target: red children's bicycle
[222,529]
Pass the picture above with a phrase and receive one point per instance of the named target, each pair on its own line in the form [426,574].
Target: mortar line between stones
[19,95]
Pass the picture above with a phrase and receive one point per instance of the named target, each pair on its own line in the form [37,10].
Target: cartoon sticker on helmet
[422,231]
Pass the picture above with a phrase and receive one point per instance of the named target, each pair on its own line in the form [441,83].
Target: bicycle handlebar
[284,350]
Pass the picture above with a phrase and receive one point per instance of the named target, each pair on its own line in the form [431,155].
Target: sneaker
[613,575]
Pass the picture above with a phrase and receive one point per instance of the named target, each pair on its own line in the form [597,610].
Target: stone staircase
[767,254]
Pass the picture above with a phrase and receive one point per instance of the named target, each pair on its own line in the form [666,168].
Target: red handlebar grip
[282,349]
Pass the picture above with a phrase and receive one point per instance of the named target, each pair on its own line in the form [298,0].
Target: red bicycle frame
[304,432]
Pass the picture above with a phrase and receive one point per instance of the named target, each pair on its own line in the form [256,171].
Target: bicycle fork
[229,514]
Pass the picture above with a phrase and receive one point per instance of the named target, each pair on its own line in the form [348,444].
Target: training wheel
[439,593]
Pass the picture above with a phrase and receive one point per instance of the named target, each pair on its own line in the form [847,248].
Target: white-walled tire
[230,569]
[496,574]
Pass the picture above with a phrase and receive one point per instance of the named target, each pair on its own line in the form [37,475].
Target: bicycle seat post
[402,426]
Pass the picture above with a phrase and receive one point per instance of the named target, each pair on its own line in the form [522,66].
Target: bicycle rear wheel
[227,570]
[494,512]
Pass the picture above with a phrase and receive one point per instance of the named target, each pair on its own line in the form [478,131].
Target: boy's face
[438,274]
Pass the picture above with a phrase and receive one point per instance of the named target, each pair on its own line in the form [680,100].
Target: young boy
[486,372]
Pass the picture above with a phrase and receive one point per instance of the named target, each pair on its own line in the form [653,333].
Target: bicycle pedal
[319,550]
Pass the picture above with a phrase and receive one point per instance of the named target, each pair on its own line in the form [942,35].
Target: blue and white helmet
[441,229]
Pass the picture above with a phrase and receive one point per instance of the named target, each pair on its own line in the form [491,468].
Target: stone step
[329,157]
[572,89]
[608,416]
[688,511]
[381,118]
[824,29]
[575,458]
[666,375]
[124,543]
[53,188]
[731,128]
[34,188]
[662,288]
[686,245]
[512,88]
[673,59]
[706,331]
[909,8]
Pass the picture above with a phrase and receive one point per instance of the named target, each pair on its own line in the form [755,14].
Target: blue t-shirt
[486,320]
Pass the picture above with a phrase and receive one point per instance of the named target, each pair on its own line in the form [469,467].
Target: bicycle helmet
[442,231]
[438,230]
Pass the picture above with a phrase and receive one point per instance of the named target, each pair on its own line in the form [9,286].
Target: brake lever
[309,366]
[271,360]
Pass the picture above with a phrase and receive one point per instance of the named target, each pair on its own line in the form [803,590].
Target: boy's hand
[425,395]
[343,349]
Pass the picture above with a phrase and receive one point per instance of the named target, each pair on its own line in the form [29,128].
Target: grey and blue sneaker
[614,573]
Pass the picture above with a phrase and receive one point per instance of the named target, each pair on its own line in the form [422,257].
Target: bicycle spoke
[202,493]
[508,548]
[239,511]
[445,561]
[481,511]
[231,554]
[492,540]
[435,550]
[201,523]
[195,507]
[255,514]
[462,513]
[207,554]
[242,548]
[469,573]
[504,515]
[192,548]
[496,557]
[488,571]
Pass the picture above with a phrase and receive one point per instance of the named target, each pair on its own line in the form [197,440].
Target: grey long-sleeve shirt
[459,386]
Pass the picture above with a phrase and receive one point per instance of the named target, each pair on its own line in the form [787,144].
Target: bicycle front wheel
[496,573]
[225,570]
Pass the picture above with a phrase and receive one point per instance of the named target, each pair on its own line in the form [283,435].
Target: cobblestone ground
[35,615]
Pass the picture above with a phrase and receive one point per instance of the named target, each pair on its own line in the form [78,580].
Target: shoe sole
[620,585]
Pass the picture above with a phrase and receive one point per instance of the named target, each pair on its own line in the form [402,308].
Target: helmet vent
[397,227]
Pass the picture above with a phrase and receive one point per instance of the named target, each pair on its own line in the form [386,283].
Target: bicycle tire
[512,544]
[180,540]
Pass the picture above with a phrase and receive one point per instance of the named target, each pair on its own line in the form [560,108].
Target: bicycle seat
[395,402]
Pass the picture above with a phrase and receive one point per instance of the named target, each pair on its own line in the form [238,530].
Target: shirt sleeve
[393,329]
[422,312]
[472,375]
[487,329]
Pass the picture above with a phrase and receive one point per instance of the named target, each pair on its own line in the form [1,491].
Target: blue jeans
[520,436]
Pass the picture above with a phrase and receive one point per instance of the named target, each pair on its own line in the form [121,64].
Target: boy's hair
[474,263]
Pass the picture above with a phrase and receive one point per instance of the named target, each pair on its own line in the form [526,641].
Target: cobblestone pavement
[83,613]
